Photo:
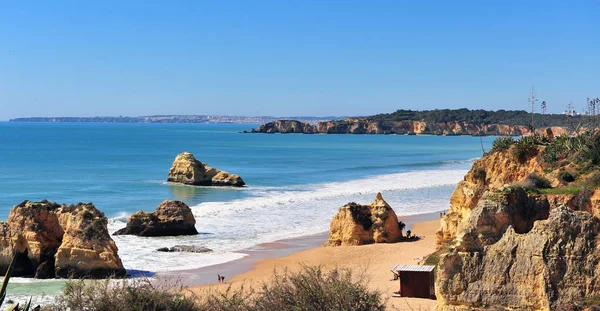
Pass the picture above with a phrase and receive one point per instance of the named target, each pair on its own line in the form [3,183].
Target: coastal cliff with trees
[433,122]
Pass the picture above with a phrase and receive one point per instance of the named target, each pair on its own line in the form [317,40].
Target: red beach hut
[416,281]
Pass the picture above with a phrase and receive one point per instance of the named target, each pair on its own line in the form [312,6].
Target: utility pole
[532,102]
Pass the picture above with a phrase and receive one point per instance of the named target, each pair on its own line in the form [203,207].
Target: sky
[293,58]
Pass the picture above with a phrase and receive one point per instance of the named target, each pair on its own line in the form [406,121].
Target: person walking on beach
[219,278]
[222,279]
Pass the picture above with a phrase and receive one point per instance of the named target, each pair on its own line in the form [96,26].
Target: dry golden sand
[375,260]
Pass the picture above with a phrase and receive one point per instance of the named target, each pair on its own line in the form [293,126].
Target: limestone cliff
[522,232]
[286,127]
[356,224]
[59,241]
[187,170]
[171,218]
[550,264]
[366,126]
[494,171]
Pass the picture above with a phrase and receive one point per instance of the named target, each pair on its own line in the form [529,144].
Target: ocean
[295,182]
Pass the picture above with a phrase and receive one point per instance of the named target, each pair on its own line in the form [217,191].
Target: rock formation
[364,126]
[171,218]
[186,249]
[511,246]
[187,170]
[59,241]
[286,127]
[356,224]
[497,265]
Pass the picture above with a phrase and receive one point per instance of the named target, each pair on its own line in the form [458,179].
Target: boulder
[187,170]
[59,241]
[171,218]
[356,224]
[186,248]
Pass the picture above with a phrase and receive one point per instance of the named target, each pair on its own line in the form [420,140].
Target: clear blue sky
[89,58]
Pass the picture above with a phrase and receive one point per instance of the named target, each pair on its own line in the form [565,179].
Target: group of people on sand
[221,278]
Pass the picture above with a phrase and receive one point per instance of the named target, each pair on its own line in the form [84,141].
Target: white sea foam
[274,213]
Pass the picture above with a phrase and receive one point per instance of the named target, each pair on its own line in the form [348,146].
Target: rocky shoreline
[364,126]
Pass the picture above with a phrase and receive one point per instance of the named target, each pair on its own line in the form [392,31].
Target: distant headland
[175,119]
[434,122]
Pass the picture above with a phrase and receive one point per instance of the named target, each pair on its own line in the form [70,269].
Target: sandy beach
[374,260]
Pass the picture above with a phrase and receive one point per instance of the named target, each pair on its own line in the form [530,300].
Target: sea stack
[356,224]
[171,218]
[187,170]
[56,240]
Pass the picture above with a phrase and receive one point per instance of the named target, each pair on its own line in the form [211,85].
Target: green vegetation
[508,117]
[527,146]
[566,177]
[502,143]
[311,288]
[361,214]
[534,181]
[129,295]
[479,174]
[574,190]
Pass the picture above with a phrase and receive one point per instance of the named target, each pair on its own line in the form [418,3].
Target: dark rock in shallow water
[171,218]
[186,248]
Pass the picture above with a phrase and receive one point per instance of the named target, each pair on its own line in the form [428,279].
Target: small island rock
[185,248]
[356,224]
[56,240]
[171,218]
[187,170]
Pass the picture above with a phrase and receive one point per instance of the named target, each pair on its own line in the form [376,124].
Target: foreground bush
[125,295]
[309,289]
[313,289]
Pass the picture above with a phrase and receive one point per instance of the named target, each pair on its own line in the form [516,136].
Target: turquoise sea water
[295,182]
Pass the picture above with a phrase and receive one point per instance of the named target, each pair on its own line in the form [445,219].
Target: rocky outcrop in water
[356,224]
[59,241]
[365,126]
[187,170]
[286,127]
[185,249]
[171,218]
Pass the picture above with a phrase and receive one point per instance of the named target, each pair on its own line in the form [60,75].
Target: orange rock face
[59,241]
[187,170]
[356,224]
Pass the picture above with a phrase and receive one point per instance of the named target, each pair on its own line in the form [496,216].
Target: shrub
[502,143]
[533,181]
[526,147]
[479,174]
[566,177]
[126,295]
[313,289]
[361,214]
[401,225]
[553,153]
